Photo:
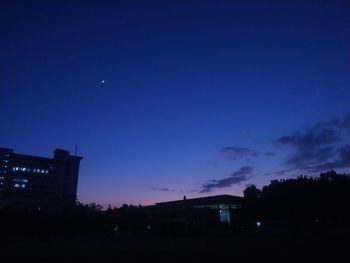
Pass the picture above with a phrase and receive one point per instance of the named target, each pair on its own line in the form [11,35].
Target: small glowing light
[148,227]
[258,223]
[102,81]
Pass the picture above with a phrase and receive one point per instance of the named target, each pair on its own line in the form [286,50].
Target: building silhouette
[195,214]
[38,183]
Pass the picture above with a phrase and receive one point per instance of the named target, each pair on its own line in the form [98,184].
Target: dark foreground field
[313,243]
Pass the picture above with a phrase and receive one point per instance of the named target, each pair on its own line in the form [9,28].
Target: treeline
[323,199]
[83,218]
[301,200]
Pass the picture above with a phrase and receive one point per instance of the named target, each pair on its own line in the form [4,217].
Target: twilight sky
[199,97]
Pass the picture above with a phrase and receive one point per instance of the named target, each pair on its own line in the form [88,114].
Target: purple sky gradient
[184,80]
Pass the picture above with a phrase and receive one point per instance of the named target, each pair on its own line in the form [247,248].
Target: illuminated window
[47,171]
[224,214]
[17,185]
[22,180]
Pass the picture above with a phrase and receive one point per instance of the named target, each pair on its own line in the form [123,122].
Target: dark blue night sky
[199,97]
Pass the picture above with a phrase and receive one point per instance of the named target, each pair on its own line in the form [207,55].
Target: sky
[173,98]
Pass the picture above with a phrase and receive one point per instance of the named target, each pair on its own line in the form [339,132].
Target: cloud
[309,156]
[163,189]
[270,154]
[342,161]
[235,153]
[318,147]
[242,175]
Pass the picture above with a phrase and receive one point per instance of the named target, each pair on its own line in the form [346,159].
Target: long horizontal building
[38,183]
[197,213]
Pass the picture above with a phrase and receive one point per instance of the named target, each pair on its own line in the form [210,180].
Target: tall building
[36,183]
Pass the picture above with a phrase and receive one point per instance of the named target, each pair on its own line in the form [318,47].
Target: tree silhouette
[305,199]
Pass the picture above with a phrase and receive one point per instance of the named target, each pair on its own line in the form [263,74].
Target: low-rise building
[195,214]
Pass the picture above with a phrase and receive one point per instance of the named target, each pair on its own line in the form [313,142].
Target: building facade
[36,183]
[195,214]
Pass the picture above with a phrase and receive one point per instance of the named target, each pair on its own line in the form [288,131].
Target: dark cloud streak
[163,189]
[242,175]
[343,161]
[318,148]
[236,153]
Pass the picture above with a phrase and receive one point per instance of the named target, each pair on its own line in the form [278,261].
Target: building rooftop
[203,200]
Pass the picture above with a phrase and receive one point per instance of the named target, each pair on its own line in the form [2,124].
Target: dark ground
[311,243]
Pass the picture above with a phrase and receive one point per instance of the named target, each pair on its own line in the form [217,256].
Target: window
[20,185]
[22,180]
[224,213]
